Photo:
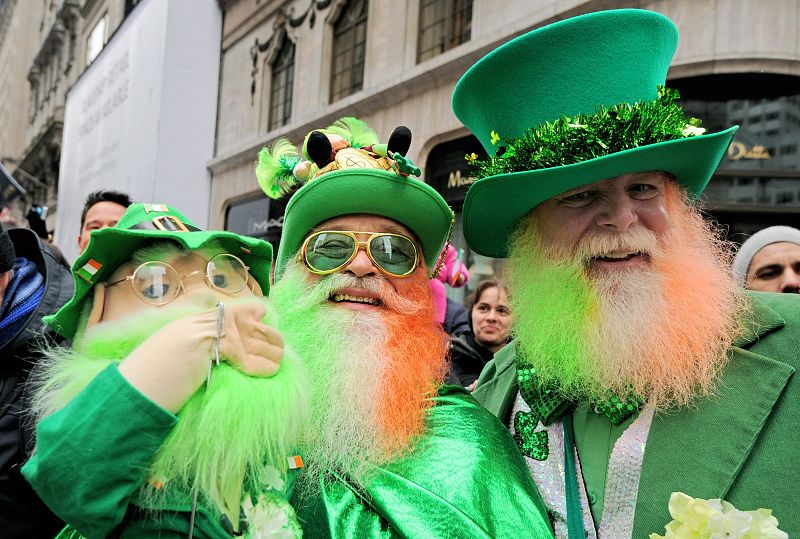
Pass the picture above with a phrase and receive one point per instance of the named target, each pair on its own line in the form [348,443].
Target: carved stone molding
[310,13]
[271,46]
[66,24]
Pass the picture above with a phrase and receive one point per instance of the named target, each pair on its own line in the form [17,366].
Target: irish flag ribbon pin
[90,269]
[156,208]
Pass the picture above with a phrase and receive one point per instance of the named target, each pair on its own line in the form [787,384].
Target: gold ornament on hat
[356,158]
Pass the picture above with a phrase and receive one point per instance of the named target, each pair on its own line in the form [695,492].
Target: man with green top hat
[177,412]
[642,384]
[390,451]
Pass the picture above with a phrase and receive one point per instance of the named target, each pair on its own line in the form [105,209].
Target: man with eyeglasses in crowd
[390,451]
[177,411]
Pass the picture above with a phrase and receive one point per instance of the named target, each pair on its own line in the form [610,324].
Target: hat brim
[410,202]
[112,247]
[495,204]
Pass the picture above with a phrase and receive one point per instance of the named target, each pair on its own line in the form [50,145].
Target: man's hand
[173,363]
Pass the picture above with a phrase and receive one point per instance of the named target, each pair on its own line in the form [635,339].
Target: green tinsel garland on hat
[587,136]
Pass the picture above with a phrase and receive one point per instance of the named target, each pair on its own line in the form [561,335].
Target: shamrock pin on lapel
[531,443]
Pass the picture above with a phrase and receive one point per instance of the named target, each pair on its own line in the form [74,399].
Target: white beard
[345,354]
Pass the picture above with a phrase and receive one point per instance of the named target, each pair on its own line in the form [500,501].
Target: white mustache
[637,240]
[320,292]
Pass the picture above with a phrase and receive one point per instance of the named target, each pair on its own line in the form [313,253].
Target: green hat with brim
[570,68]
[143,225]
[409,201]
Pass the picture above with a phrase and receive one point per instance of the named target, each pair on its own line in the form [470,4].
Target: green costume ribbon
[548,404]
[606,131]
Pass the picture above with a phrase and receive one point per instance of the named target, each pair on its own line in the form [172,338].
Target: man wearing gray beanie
[769,261]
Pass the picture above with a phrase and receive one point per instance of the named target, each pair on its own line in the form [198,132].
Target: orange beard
[372,371]
[416,349]
[661,331]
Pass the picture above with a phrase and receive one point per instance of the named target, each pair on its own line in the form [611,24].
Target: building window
[349,48]
[97,39]
[282,84]
[443,24]
[259,217]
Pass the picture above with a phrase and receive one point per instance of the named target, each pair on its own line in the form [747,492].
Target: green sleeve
[91,455]
[497,386]
[465,478]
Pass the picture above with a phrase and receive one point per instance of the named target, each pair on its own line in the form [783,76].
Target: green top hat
[357,176]
[572,103]
[142,225]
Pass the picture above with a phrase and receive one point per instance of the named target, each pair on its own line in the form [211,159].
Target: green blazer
[742,445]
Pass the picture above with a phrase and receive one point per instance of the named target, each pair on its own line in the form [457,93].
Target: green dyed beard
[549,326]
[226,433]
[345,355]
[661,330]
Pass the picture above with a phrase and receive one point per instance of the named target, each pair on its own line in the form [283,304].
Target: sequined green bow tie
[547,405]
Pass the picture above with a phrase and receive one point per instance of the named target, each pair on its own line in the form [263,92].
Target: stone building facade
[289,66]
[283,63]
[45,45]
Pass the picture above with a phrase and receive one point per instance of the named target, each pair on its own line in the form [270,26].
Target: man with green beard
[177,411]
[390,451]
[640,376]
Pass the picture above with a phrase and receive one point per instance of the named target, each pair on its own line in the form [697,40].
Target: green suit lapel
[701,451]
[497,385]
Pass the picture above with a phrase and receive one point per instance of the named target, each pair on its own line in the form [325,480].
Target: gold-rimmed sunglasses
[328,251]
[158,283]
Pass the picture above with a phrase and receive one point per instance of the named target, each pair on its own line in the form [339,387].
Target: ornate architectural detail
[310,12]
[273,43]
[55,56]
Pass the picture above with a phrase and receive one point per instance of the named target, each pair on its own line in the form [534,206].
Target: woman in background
[490,318]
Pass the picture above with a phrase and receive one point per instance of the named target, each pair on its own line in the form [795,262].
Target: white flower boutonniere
[717,519]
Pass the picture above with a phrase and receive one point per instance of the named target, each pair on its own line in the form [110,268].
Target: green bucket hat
[354,175]
[140,226]
[570,104]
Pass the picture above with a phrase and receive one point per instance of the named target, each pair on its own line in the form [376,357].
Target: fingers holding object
[248,343]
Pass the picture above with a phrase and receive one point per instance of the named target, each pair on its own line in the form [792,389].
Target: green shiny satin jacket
[466,479]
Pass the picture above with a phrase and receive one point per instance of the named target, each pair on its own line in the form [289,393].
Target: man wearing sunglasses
[390,451]
[177,412]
